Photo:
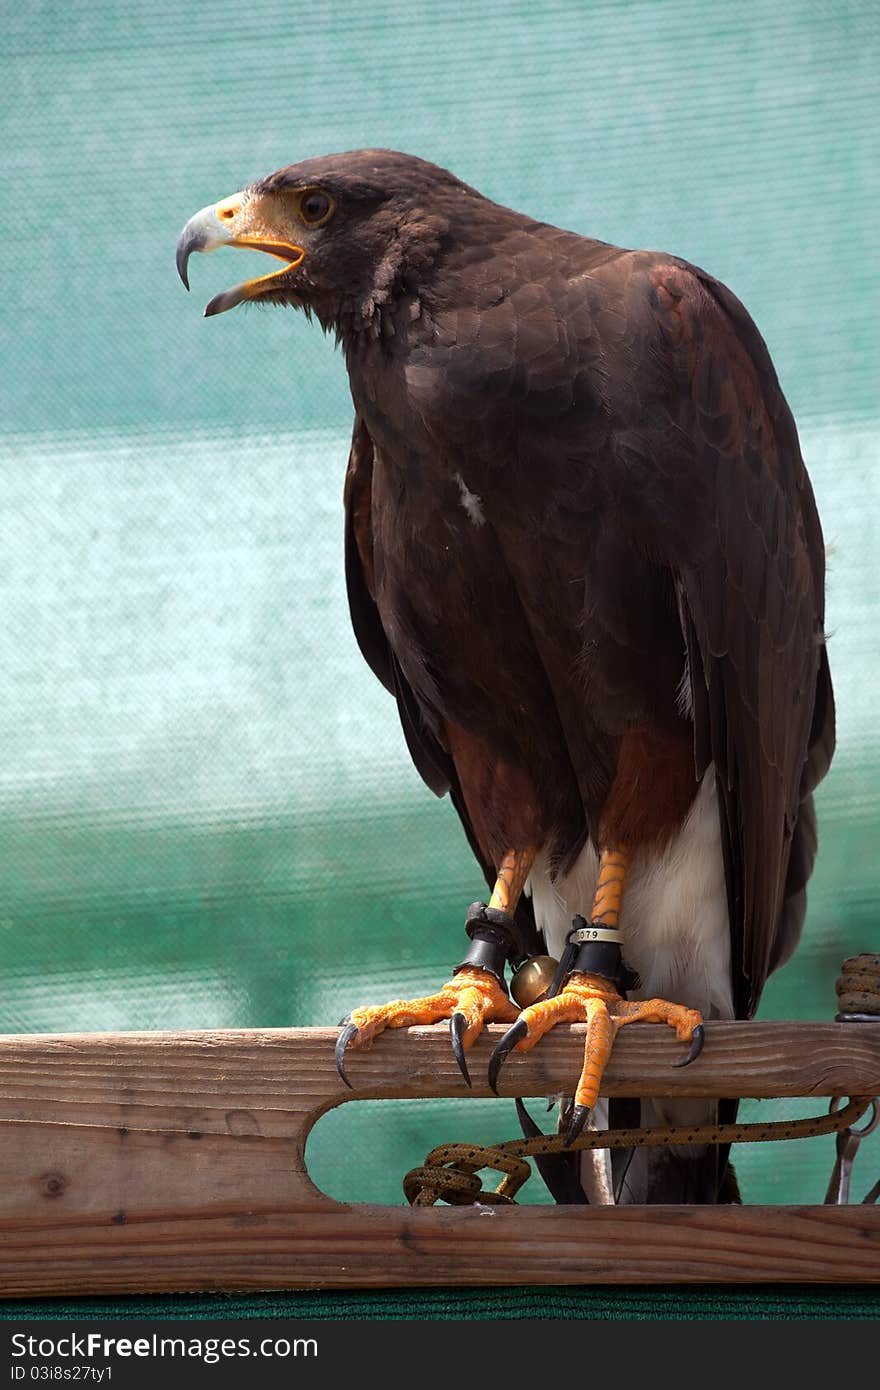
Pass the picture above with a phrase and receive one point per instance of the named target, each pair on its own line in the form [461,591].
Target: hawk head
[349,229]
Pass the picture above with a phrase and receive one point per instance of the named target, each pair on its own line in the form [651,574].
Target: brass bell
[533,979]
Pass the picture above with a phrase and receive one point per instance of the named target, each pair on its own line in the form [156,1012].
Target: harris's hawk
[583,553]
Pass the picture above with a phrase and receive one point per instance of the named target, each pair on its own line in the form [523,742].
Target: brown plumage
[582,549]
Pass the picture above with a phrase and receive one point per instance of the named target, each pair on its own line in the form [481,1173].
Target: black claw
[559,1171]
[526,1123]
[578,1118]
[515,1033]
[349,1031]
[457,1026]
[695,1049]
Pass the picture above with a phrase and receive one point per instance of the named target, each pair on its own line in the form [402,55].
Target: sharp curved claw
[526,1123]
[457,1026]
[349,1031]
[559,1171]
[515,1033]
[695,1049]
[578,1117]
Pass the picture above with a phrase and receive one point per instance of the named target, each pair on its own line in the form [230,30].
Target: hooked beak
[226,224]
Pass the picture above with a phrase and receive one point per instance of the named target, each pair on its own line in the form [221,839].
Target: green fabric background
[207,814]
[714,1301]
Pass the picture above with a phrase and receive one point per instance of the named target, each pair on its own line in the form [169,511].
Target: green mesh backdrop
[207,814]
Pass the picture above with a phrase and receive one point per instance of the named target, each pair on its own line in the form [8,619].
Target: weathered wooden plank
[373,1247]
[288,1071]
[176,1161]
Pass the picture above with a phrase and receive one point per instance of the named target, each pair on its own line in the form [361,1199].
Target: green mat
[713,1301]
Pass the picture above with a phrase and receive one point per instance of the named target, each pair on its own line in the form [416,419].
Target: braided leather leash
[858,989]
[449,1173]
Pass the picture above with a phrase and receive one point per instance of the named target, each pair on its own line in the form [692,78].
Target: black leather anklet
[494,942]
[592,949]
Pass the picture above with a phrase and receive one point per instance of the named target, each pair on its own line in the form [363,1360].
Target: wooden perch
[162,1162]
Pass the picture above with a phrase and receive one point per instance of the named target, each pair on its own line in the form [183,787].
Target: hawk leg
[475,995]
[594,998]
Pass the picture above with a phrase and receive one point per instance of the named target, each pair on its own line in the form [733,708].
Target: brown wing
[751,594]
[431,758]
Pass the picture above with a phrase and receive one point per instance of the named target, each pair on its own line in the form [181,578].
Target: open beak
[226,224]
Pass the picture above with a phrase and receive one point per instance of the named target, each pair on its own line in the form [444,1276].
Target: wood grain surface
[176,1161]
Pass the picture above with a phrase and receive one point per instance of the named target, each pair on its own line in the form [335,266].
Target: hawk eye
[315,207]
